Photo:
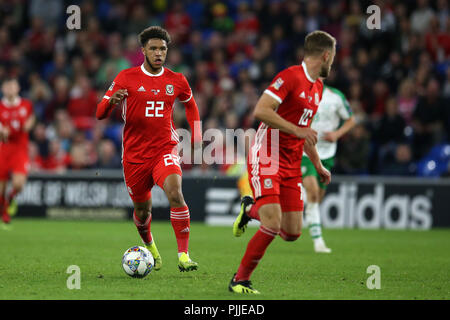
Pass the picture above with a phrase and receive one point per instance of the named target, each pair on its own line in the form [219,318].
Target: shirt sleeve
[185,90]
[280,86]
[344,109]
[104,108]
[117,84]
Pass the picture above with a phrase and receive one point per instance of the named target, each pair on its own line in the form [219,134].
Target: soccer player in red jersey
[146,95]
[287,105]
[16,120]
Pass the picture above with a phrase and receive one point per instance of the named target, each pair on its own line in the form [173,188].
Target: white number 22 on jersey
[307,114]
[152,111]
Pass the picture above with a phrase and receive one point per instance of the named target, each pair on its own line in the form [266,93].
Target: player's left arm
[193,118]
[192,115]
[30,119]
[345,112]
[29,123]
[333,136]
[313,155]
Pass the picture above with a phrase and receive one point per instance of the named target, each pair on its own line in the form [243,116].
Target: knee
[18,186]
[273,223]
[175,197]
[289,237]
[314,196]
[142,213]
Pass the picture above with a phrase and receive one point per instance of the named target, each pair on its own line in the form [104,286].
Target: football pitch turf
[36,253]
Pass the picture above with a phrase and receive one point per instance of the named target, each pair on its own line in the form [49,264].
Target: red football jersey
[13,116]
[148,109]
[299,97]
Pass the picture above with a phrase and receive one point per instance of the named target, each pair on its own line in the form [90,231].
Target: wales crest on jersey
[169,89]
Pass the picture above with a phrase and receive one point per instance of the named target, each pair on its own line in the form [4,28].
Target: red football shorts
[13,160]
[276,187]
[141,177]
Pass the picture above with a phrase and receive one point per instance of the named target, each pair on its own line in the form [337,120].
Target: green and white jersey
[333,108]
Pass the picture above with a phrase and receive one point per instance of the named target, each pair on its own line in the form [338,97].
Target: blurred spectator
[175,62]
[57,160]
[437,42]
[35,159]
[298,32]
[428,119]
[377,104]
[82,104]
[133,51]
[60,98]
[40,94]
[221,21]
[107,156]
[354,18]
[63,129]
[391,126]
[178,23]
[393,71]
[421,16]
[57,67]
[333,24]
[93,37]
[399,162]
[407,100]
[442,13]
[79,157]
[139,19]
[353,152]
[91,153]
[246,21]
[313,17]
[39,136]
[115,62]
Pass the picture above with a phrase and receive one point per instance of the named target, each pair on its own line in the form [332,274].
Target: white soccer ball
[137,262]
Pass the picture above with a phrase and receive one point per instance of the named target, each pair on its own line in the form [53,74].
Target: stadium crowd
[397,79]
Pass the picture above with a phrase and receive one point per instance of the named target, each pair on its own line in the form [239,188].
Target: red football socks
[3,206]
[12,195]
[253,213]
[255,250]
[144,228]
[181,223]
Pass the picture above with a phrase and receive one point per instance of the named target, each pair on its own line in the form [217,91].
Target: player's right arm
[115,94]
[313,155]
[265,112]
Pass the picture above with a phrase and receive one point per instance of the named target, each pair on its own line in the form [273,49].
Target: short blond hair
[317,42]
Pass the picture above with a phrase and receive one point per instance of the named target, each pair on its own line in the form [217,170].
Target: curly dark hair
[152,33]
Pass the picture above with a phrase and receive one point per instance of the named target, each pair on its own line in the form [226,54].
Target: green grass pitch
[36,253]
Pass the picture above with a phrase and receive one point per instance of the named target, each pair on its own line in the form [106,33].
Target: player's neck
[312,68]
[150,69]
[10,100]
